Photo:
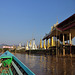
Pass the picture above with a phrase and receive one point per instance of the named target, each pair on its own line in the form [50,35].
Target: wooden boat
[11,65]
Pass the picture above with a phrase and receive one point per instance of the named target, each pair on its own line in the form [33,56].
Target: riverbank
[41,52]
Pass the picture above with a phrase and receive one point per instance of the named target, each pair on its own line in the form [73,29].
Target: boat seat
[16,68]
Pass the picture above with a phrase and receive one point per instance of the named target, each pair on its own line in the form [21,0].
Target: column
[70,41]
[46,44]
[50,45]
[67,38]
[70,38]
[52,42]
[59,46]
[63,46]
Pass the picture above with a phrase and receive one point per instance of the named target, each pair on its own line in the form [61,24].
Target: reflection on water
[47,65]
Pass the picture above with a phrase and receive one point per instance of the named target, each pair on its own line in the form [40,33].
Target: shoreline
[41,52]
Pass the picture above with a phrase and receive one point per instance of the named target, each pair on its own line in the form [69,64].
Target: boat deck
[14,69]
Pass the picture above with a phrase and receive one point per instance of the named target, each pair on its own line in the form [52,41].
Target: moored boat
[11,65]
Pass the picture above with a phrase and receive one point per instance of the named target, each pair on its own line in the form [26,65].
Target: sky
[22,20]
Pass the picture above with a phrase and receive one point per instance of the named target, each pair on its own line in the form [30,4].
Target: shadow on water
[47,65]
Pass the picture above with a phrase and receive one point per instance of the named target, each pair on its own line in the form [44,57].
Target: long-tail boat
[11,65]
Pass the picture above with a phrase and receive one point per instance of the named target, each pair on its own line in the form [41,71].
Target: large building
[64,32]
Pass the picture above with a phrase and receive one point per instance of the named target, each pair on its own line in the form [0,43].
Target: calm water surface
[47,65]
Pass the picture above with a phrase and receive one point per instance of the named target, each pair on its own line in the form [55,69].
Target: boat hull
[18,68]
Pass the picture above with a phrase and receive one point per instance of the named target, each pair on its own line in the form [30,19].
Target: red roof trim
[69,26]
[65,20]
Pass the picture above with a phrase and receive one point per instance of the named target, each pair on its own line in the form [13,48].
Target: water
[47,65]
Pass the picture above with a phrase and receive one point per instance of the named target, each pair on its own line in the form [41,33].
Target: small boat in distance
[11,65]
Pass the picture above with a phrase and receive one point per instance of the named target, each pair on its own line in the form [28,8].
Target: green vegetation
[20,51]
[0,50]
[5,49]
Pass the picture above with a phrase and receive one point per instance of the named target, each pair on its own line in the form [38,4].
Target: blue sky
[20,20]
